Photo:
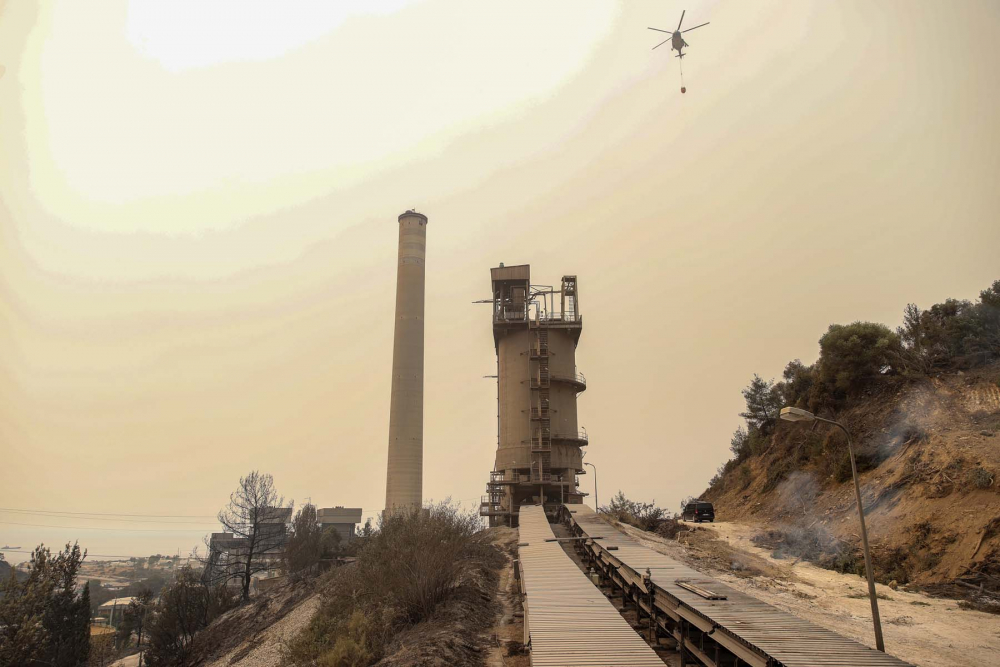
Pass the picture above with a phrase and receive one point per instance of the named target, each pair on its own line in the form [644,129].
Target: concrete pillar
[404,478]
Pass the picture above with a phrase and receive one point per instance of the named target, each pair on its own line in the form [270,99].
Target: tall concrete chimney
[404,478]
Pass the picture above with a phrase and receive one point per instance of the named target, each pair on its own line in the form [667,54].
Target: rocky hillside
[923,404]
[929,451]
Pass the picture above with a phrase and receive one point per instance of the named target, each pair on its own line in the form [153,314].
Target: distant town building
[342,519]
[113,611]
[275,527]
[226,549]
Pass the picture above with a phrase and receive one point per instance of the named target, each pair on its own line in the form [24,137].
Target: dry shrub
[644,516]
[980,478]
[987,603]
[890,564]
[777,471]
[864,461]
[812,544]
[412,564]
[671,528]
[416,559]
[351,647]
[745,478]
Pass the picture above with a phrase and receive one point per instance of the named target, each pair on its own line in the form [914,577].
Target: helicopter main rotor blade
[683,12]
[660,44]
[669,32]
[697,26]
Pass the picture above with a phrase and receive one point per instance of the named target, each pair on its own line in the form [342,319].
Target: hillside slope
[464,629]
[930,455]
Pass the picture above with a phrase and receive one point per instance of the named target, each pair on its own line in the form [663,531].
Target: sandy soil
[926,631]
[264,650]
[508,632]
[129,661]
[935,496]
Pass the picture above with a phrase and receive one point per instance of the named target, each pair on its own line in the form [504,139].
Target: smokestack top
[413,214]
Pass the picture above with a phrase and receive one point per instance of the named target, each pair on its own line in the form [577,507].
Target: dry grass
[987,603]
[420,591]
[981,478]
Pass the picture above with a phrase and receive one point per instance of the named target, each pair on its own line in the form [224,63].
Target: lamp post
[597,505]
[799,415]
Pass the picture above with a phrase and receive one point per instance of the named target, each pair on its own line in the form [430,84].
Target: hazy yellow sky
[198,229]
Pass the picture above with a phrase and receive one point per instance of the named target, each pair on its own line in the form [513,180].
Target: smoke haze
[198,240]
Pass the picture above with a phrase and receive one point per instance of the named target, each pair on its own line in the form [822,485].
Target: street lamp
[597,505]
[799,415]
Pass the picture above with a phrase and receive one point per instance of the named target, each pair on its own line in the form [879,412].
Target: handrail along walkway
[709,620]
[568,621]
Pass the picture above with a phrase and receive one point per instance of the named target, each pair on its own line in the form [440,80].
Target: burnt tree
[254,537]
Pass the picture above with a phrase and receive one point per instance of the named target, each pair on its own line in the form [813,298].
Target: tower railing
[488,507]
[579,436]
[576,378]
[555,317]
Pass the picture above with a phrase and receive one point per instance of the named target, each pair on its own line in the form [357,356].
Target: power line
[68,515]
[158,516]
[122,530]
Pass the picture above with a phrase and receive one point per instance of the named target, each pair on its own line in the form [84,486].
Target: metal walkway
[710,621]
[567,619]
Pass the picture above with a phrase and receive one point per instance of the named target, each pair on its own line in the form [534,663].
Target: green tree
[763,402]
[331,543]
[134,618]
[989,316]
[852,356]
[953,334]
[186,606]
[67,638]
[739,444]
[797,384]
[82,635]
[22,635]
[304,548]
[98,595]
[5,569]
[43,621]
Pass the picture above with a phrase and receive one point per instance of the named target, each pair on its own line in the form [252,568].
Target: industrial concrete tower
[404,478]
[539,445]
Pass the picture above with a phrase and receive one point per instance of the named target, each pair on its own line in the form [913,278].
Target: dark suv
[698,511]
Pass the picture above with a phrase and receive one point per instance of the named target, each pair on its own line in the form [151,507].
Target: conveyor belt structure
[568,621]
[708,621]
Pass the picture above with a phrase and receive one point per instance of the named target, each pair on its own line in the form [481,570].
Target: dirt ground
[934,498]
[464,629]
[507,635]
[264,649]
[252,635]
[926,631]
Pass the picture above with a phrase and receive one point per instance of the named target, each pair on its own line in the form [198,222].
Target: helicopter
[677,42]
